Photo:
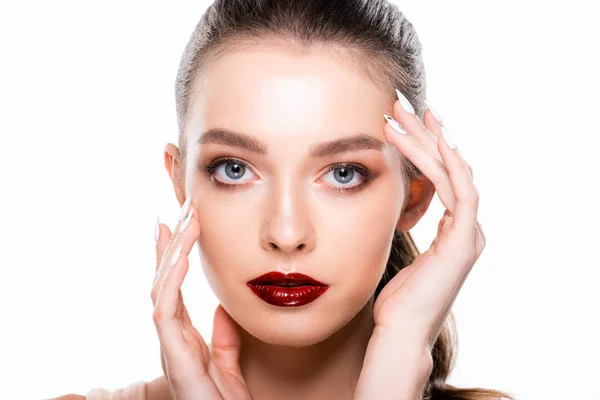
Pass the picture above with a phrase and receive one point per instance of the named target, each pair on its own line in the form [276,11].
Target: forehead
[273,93]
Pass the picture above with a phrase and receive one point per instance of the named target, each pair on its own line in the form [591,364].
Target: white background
[87,105]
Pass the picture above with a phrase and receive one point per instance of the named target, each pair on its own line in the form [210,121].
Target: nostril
[273,246]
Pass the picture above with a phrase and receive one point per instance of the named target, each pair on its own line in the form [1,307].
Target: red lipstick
[291,290]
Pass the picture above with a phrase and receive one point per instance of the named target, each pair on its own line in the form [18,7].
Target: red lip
[289,290]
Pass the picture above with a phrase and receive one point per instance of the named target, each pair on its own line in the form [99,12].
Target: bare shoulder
[70,397]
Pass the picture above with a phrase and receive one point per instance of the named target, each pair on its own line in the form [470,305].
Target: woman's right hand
[190,369]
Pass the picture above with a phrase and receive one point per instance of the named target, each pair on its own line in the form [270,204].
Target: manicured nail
[395,124]
[434,113]
[184,207]
[186,221]
[175,256]
[447,138]
[405,103]
[156,230]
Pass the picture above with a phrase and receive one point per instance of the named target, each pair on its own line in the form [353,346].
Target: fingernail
[186,221]
[447,138]
[175,256]
[434,113]
[395,124]
[184,208]
[156,230]
[405,103]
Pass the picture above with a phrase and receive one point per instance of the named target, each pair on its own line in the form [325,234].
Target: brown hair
[382,44]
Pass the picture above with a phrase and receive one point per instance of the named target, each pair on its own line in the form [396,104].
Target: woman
[306,147]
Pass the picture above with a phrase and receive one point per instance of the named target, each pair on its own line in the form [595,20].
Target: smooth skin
[398,360]
[419,297]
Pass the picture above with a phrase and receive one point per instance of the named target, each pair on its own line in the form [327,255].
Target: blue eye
[347,176]
[234,171]
[343,175]
[229,171]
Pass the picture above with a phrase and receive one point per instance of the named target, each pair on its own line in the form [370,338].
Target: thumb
[226,343]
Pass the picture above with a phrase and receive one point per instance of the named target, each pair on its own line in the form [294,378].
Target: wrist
[401,376]
[415,377]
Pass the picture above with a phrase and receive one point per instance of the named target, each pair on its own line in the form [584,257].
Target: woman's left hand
[411,309]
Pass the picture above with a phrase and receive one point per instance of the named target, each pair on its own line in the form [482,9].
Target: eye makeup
[212,167]
[345,168]
[367,176]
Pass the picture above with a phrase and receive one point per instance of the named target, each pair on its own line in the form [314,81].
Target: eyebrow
[360,141]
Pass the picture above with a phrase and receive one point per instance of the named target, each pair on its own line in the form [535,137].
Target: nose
[287,227]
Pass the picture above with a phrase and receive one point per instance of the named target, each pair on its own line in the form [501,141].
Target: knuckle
[472,196]
[154,291]
[437,175]
[157,316]
[421,145]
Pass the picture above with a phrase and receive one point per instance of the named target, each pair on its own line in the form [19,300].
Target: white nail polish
[395,124]
[447,138]
[175,256]
[186,221]
[184,208]
[156,230]
[434,113]
[405,103]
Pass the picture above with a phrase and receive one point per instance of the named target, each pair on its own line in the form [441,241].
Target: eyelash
[366,174]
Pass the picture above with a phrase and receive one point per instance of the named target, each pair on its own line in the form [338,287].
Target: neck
[326,370]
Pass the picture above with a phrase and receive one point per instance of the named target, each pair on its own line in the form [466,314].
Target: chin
[293,326]
[293,331]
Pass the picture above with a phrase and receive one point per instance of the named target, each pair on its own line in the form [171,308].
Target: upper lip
[277,278]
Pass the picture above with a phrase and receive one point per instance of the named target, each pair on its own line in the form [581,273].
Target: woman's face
[279,205]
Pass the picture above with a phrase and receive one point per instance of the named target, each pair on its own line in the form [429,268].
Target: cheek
[366,240]
[358,240]
[226,236]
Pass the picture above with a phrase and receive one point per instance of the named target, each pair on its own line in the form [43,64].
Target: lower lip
[288,296]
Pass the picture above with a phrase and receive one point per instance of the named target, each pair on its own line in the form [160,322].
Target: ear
[174,169]
[421,193]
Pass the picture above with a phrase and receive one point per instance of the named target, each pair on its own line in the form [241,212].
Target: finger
[168,310]
[404,114]
[467,196]
[185,317]
[164,248]
[164,237]
[226,343]
[433,123]
[432,120]
[417,153]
